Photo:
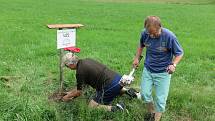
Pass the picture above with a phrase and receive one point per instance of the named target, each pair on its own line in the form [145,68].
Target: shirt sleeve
[143,39]
[176,47]
[80,81]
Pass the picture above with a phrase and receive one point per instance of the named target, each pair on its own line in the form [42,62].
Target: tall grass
[111,34]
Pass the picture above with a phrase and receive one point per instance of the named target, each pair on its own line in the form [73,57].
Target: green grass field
[111,33]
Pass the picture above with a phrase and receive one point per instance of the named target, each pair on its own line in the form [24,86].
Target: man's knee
[160,103]
[93,104]
[146,96]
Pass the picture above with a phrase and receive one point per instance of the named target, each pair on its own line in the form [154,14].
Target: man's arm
[171,68]
[177,59]
[72,94]
[138,54]
[177,51]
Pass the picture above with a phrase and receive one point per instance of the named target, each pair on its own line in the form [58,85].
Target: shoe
[149,117]
[132,93]
[118,107]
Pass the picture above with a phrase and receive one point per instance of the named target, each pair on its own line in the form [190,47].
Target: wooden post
[61,70]
[60,27]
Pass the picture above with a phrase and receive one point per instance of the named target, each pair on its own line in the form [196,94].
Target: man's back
[93,73]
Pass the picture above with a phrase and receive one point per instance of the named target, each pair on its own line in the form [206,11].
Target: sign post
[66,37]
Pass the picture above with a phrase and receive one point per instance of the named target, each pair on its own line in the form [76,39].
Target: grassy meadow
[28,55]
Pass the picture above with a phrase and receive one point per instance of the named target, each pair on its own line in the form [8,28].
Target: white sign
[66,38]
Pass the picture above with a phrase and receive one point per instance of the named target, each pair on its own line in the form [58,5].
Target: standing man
[163,53]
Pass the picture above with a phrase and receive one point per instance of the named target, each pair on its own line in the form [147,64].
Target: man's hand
[67,99]
[137,57]
[171,69]
[71,95]
[136,63]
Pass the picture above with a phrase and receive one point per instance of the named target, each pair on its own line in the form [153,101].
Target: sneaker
[132,93]
[149,117]
[118,107]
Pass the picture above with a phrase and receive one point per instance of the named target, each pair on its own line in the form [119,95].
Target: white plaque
[66,38]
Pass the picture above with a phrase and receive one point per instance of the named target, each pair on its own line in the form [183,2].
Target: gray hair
[70,58]
[152,21]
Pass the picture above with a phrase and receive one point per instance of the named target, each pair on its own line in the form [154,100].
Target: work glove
[126,80]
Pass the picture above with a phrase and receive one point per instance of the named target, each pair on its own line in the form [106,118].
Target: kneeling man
[98,76]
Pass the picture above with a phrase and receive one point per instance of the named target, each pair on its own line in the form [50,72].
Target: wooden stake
[61,71]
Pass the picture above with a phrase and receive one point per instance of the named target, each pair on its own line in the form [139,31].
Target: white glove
[126,80]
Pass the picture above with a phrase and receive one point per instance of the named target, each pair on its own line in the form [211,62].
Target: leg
[110,92]
[162,83]
[94,104]
[150,107]
[123,91]
[105,96]
[158,116]
[146,90]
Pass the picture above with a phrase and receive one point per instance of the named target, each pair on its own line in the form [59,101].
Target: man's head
[70,60]
[153,26]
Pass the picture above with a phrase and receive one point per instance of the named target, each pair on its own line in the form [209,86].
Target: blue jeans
[111,91]
[161,84]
